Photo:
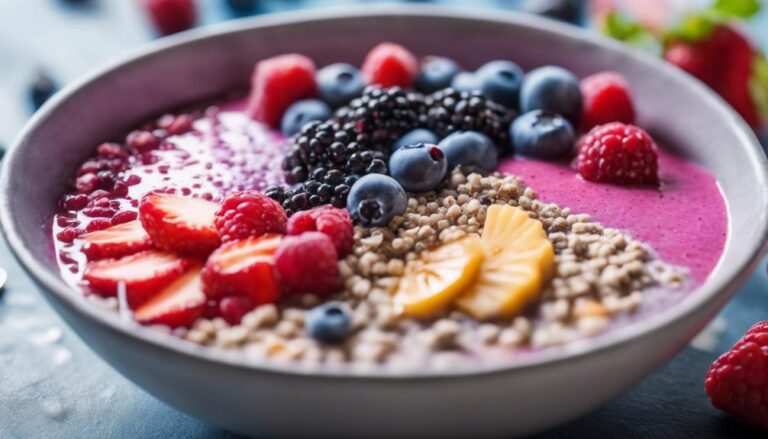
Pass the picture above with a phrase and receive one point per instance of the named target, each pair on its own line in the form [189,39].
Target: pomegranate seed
[133,180]
[87,183]
[103,212]
[111,150]
[106,179]
[98,224]
[63,221]
[66,258]
[89,167]
[75,202]
[98,195]
[119,190]
[142,141]
[124,217]
[67,235]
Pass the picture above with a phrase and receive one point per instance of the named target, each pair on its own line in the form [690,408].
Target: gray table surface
[52,385]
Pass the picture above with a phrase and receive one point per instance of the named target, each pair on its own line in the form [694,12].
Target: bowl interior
[205,63]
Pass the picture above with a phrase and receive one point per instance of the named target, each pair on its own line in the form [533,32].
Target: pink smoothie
[684,220]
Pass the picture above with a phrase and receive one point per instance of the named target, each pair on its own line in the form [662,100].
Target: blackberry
[451,110]
[324,187]
[384,114]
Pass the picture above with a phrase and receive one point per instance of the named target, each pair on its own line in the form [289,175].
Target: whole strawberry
[618,153]
[737,382]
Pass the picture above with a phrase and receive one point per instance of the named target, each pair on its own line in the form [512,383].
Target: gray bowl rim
[697,299]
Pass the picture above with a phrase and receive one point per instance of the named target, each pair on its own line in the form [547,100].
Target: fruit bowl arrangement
[374,228]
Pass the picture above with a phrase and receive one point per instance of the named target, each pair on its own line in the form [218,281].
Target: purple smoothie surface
[684,220]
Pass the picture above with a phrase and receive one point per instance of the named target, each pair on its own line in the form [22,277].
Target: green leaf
[737,8]
[693,28]
[758,85]
[618,27]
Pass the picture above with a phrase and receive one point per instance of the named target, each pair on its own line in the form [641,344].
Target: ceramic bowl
[525,396]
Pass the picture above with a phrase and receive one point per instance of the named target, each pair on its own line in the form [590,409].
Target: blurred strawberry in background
[706,41]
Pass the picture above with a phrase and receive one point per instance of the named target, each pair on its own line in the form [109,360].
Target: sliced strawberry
[178,224]
[116,241]
[144,274]
[277,83]
[178,304]
[243,268]
[390,65]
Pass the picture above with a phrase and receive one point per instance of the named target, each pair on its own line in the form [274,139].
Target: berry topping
[182,225]
[303,112]
[339,83]
[249,213]
[618,153]
[171,16]
[419,135]
[500,82]
[390,65]
[232,309]
[307,263]
[519,260]
[277,83]
[465,81]
[606,99]
[737,382]
[144,274]
[553,89]
[41,89]
[471,149]
[178,304]
[332,221]
[243,268]
[116,241]
[329,322]
[439,276]
[419,167]
[543,135]
[436,74]
[375,199]
[451,111]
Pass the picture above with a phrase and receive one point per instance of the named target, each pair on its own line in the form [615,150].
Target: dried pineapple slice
[519,260]
[431,283]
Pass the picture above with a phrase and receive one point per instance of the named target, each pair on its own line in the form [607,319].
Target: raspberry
[737,382]
[390,65]
[232,309]
[334,222]
[277,83]
[307,263]
[249,213]
[606,99]
[178,224]
[171,16]
[618,153]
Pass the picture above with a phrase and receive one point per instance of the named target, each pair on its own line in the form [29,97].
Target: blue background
[52,386]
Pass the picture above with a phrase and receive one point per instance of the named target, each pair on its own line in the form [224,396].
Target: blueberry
[553,89]
[339,83]
[542,134]
[436,74]
[471,149]
[465,81]
[329,322]
[419,135]
[500,82]
[418,167]
[564,10]
[375,199]
[301,113]
[42,88]
[243,7]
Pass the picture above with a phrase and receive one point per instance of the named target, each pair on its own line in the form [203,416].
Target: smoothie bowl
[435,249]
